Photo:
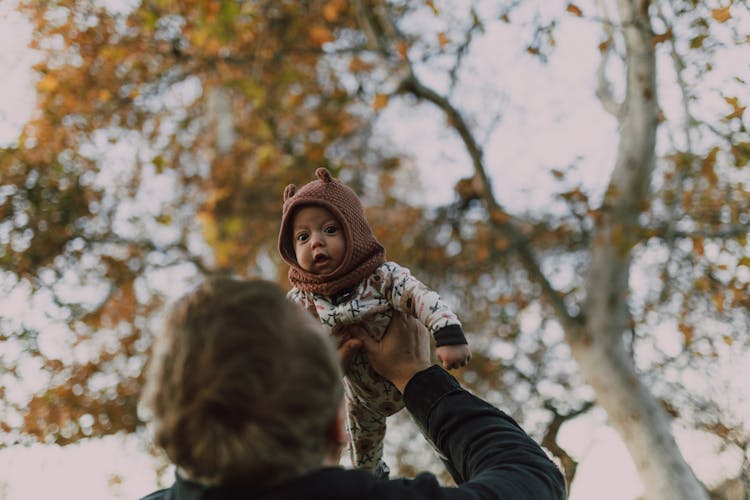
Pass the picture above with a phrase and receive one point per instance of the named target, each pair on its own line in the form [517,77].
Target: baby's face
[319,243]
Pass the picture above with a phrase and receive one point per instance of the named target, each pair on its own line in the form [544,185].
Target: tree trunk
[598,345]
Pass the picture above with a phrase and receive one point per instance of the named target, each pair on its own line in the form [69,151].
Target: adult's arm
[486,452]
[484,449]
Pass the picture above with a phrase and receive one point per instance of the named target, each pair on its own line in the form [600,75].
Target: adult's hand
[403,351]
[348,347]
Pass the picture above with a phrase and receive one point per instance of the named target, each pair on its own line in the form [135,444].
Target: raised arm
[486,452]
[409,295]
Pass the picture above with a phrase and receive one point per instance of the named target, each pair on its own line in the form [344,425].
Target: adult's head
[243,386]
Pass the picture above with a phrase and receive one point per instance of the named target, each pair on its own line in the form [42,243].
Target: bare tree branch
[604,86]
[500,221]
[549,441]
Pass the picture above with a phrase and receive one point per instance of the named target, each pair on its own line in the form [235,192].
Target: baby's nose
[317,239]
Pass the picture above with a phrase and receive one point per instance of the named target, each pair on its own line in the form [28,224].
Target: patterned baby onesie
[370,397]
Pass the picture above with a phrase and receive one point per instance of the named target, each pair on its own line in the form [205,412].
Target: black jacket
[487,453]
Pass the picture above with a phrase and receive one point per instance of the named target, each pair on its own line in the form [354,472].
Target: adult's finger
[347,349]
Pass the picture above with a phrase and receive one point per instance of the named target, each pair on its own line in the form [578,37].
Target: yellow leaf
[199,36]
[443,39]
[728,340]
[721,15]
[573,9]
[381,101]
[697,42]
[164,219]
[718,300]
[48,83]
[431,5]
[737,108]
[158,162]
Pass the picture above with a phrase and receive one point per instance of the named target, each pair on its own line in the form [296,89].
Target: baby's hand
[453,356]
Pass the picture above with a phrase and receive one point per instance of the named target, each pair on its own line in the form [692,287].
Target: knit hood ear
[363,251]
[289,191]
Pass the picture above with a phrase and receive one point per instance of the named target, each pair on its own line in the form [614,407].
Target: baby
[339,273]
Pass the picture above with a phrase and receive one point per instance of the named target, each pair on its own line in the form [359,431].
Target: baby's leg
[367,431]
[370,399]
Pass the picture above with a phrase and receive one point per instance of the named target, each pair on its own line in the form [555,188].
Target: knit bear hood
[363,253]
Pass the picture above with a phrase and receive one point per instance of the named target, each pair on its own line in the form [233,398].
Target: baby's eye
[331,230]
[302,237]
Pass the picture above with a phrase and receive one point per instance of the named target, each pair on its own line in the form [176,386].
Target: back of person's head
[242,385]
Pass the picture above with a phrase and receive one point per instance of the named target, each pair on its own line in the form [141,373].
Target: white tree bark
[598,344]
[220,115]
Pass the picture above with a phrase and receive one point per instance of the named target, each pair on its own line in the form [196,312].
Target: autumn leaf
[737,109]
[380,102]
[663,37]
[575,10]
[159,163]
[708,166]
[332,9]
[687,333]
[697,42]
[718,300]
[432,7]
[721,15]
[357,64]
[482,253]
[47,84]
[502,244]
[319,34]
[443,39]
[702,284]
[741,152]
[698,246]
[403,49]
[557,174]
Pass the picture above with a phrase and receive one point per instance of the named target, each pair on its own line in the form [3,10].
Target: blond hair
[242,386]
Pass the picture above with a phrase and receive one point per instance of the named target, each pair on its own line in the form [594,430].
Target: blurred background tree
[165,132]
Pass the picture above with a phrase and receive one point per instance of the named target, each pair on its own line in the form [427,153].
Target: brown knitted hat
[363,251]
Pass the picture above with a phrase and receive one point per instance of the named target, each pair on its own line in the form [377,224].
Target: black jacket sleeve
[486,452]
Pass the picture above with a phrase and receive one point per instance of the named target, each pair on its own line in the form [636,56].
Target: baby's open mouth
[320,258]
